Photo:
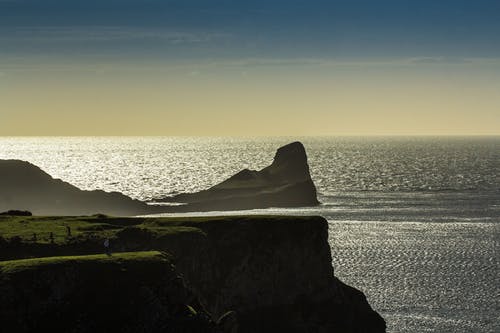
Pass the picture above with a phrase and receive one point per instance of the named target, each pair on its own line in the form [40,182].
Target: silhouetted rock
[285,183]
[24,186]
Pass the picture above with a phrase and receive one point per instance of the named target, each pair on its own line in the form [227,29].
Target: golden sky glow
[310,99]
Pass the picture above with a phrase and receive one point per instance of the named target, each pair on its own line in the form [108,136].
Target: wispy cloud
[196,66]
[337,62]
[105,33]
[441,60]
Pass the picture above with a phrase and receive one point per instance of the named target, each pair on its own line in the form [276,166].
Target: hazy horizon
[192,68]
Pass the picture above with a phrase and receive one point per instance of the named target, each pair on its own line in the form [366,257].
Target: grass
[26,227]
[88,233]
[101,227]
[80,227]
[13,266]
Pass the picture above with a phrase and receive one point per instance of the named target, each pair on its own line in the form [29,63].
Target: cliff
[276,274]
[257,274]
[285,183]
[126,292]
[24,186]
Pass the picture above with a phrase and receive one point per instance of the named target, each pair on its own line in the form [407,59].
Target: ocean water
[414,222]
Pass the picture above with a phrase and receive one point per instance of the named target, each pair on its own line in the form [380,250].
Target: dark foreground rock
[285,183]
[251,274]
[24,186]
[127,292]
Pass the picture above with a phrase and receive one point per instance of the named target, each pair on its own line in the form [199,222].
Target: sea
[414,222]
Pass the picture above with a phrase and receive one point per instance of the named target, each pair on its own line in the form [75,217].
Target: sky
[249,68]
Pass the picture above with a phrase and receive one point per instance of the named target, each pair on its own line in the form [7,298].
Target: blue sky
[213,29]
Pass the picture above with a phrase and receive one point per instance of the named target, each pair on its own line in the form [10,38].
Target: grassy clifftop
[64,229]
[23,237]
[38,230]
[130,258]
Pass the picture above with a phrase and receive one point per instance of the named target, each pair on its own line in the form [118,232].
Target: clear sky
[261,67]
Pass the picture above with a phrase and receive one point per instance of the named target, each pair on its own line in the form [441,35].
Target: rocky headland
[219,274]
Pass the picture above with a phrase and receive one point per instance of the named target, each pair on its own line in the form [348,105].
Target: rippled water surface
[145,167]
[444,277]
[414,222]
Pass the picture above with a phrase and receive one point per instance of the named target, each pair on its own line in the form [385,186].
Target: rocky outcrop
[285,183]
[24,186]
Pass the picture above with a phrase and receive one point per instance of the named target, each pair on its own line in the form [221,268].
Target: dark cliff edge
[248,274]
[285,183]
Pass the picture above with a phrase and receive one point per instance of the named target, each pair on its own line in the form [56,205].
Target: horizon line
[249,136]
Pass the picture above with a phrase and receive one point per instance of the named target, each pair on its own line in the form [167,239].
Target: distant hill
[24,186]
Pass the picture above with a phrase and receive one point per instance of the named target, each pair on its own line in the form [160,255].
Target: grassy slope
[14,266]
[122,292]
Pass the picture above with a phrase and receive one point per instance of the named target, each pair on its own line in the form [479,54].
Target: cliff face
[259,262]
[127,292]
[275,273]
[285,183]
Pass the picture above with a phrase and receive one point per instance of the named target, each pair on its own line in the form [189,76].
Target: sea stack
[285,183]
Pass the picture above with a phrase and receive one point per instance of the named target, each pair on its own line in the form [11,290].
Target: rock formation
[285,183]
[24,186]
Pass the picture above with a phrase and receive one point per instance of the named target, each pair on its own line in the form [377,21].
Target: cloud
[105,33]
[337,62]
[440,60]
[194,67]
[274,62]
